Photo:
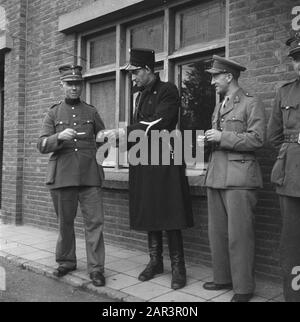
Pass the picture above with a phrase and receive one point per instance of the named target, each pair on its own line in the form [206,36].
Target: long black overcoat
[159,194]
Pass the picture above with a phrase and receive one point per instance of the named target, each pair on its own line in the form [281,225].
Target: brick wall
[257,32]
[13,148]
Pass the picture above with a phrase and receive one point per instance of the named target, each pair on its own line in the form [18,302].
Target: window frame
[169,57]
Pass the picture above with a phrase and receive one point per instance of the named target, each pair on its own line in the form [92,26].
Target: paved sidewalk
[33,249]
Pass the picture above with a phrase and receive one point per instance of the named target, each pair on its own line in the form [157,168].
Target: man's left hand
[213,135]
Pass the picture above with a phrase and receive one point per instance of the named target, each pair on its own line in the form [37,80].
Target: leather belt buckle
[298,138]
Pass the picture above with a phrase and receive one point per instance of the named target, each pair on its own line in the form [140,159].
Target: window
[200,24]
[184,35]
[102,50]
[103,97]
[102,93]
[198,97]
[149,34]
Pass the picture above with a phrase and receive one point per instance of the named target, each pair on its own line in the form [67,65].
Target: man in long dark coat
[159,194]
[284,134]
[68,132]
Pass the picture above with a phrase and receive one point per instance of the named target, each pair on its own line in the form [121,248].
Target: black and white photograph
[149,154]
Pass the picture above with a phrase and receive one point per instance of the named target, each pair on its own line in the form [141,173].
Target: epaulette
[55,105]
[247,93]
[289,83]
[88,104]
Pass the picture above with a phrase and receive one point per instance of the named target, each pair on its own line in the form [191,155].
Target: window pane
[198,98]
[103,98]
[202,24]
[148,35]
[103,50]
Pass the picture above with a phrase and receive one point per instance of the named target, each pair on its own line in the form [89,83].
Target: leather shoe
[97,279]
[242,297]
[62,271]
[212,286]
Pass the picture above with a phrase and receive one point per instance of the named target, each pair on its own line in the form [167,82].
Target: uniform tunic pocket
[236,123]
[278,172]
[242,170]
[51,170]
[291,115]
[61,125]
[87,126]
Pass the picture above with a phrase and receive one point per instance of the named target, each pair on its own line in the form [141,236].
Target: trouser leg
[240,205]
[65,202]
[91,205]
[218,236]
[290,248]
[176,252]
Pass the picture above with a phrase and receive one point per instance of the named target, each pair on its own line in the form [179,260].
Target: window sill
[118,180]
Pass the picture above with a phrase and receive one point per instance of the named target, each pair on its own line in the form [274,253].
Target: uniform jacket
[72,163]
[285,120]
[233,164]
[159,194]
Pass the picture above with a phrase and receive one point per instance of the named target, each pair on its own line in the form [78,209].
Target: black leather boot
[155,266]
[177,259]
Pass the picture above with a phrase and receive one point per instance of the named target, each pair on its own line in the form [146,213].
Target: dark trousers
[65,202]
[290,247]
[231,236]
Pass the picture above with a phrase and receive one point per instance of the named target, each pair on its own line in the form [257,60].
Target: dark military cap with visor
[70,73]
[222,65]
[294,43]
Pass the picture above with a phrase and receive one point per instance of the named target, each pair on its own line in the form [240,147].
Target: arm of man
[275,126]
[48,140]
[254,137]
[99,126]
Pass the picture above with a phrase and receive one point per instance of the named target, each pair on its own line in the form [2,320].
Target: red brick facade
[257,33]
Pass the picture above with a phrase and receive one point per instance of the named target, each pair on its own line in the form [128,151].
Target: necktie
[226,99]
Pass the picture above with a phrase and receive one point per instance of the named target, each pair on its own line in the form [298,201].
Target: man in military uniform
[69,131]
[158,194]
[233,175]
[284,134]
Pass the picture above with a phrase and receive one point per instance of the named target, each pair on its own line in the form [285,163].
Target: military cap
[70,73]
[294,43]
[223,65]
[140,58]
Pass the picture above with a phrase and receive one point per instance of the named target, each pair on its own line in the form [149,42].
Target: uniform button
[222,120]
[221,129]
[76,150]
[75,140]
[75,123]
[73,107]
[74,115]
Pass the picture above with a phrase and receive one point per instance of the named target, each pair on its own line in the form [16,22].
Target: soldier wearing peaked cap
[158,194]
[68,132]
[284,135]
[233,175]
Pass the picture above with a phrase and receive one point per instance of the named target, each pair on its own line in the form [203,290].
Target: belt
[292,138]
